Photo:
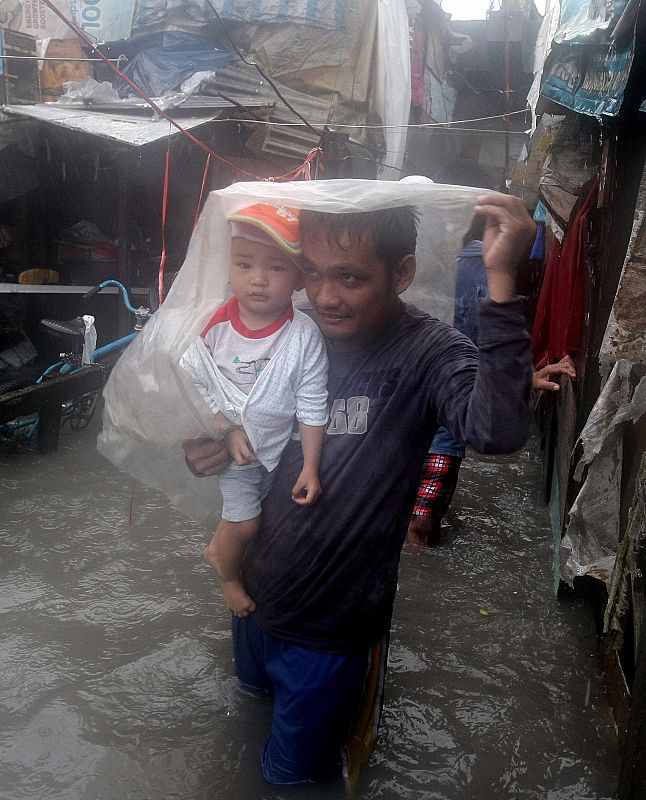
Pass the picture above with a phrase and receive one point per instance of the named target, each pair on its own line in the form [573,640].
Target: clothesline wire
[437,125]
[413,124]
[62,58]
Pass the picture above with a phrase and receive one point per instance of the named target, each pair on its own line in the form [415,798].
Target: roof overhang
[133,127]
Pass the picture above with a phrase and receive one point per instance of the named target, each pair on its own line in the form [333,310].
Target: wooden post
[632,778]
[49,427]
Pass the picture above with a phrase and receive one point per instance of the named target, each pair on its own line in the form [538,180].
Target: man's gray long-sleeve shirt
[325,576]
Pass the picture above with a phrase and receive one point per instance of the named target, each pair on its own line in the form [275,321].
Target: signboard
[105,20]
[590,79]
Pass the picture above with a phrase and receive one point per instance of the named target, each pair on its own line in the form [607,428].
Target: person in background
[439,476]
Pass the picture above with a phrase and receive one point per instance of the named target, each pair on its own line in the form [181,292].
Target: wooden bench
[46,400]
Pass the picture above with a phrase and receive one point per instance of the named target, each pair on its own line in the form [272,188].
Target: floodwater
[115,665]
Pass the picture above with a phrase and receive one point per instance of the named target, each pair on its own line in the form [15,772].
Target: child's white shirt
[261,382]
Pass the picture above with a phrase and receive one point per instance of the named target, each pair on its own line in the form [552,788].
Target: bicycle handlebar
[122,289]
[91,293]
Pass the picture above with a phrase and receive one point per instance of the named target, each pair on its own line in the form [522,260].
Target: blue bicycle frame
[142,315]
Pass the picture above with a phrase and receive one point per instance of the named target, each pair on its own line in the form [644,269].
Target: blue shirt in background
[470,288]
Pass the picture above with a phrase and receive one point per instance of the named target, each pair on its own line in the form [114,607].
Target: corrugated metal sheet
[126,128]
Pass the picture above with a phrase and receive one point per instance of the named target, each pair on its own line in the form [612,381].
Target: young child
[258,363]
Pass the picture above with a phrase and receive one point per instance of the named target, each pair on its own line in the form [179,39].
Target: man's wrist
[502,286]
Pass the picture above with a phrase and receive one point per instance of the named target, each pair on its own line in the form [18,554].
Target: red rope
[207,166]
[162,261]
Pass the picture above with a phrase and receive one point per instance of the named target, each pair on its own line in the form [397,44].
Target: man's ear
[404,273]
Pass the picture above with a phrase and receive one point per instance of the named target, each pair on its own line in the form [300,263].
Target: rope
[162,261]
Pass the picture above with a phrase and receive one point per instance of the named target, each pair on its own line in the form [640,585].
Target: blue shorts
[243,489]
[316,697]
[445,445]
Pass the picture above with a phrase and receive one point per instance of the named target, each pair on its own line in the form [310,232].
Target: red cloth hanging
[558,325]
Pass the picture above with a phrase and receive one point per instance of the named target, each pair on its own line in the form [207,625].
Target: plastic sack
[88,91]
[150,405]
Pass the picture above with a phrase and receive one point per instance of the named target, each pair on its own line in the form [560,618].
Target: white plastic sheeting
[590,543]
[542,49]
[150,407]
[392,82]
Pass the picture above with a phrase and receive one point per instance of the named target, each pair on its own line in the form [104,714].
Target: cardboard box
[71,67]
[19,80]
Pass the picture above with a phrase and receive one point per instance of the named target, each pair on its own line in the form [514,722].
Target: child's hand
[306,489]
[238,445]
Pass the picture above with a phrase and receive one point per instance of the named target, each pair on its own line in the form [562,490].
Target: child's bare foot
[237,600]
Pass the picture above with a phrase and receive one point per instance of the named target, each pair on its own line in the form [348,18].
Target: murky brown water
[115,664]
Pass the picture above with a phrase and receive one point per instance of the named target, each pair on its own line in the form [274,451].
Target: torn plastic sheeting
[624,336]
[582,19]
[589,78]
[88,91]
[590,542]
[150,409]
[542,50]
[615,405]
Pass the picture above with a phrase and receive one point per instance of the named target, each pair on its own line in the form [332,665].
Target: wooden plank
[30,400]
[632,778]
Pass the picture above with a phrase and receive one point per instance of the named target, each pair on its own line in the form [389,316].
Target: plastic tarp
[590,543]
[361,72]
[542,49]
[159,69]
[149,406]
[625,336]
[592,56]
[392,82]
[590,79]
[582,19]
[330,14]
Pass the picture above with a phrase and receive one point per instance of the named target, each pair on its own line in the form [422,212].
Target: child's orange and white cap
[280,224]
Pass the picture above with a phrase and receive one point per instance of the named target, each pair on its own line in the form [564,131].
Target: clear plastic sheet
[151,406]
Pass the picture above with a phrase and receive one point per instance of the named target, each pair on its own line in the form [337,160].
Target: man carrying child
[323,578]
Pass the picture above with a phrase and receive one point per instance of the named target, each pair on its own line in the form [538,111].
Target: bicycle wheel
[82,411]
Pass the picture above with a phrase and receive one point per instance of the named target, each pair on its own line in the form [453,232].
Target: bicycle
[78,410]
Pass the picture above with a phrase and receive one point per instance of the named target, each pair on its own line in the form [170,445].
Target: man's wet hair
[394,230]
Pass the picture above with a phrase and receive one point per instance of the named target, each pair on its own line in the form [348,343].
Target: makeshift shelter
[585,163]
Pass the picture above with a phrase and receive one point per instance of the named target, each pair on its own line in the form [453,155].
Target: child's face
[263,278]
